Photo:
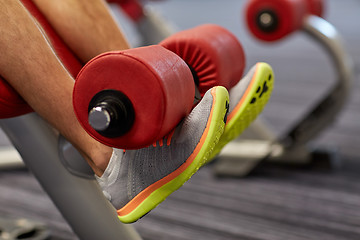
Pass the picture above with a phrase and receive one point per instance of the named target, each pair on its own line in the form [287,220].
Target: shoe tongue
[114,161]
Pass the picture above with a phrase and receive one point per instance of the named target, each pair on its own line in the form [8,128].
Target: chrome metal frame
[293,147]
[66,178]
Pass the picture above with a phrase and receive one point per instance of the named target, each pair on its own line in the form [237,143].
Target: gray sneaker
[136,181]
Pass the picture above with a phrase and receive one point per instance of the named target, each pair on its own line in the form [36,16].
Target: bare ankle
[98,158]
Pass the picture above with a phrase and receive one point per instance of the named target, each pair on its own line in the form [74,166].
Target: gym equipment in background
[152,27]
[21,228]
[272,20]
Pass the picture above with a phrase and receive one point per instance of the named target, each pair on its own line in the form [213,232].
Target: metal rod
[79,199]
[325,112]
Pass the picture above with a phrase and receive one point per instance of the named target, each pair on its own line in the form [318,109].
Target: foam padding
[158,83]
[316,7]
[214,54]
[289,14]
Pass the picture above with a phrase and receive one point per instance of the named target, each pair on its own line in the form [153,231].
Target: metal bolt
[99,118]
[266,19]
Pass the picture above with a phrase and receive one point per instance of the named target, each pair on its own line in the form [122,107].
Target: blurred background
[275,201]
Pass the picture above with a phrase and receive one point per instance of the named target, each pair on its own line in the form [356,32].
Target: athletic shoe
[247,100]
[136,181]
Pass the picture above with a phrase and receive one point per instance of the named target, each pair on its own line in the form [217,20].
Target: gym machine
[269,21]
[66,172]
[40,147]
[88,212]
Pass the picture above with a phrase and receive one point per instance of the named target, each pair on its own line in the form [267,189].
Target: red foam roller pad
[315,7]
[11,103]
[157,82]
[215,55]
[283,16]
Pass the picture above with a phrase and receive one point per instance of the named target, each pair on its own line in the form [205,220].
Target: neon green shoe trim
[167,185]
[250,105]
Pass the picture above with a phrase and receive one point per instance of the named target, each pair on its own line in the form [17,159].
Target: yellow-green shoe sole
[249,107]
[149,198]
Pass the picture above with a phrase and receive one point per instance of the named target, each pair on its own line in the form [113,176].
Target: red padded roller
[157,82]
[315,7]
[214,54]
[11,103]
[271,20]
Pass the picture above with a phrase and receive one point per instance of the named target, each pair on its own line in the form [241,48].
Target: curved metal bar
[78,198]
[324,113]
[292,147]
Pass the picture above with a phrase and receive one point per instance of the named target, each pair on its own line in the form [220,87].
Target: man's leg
[28,63]
[87,27]
[31,67]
